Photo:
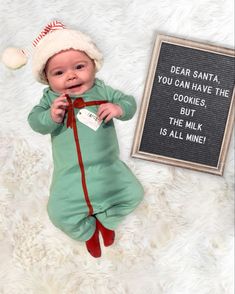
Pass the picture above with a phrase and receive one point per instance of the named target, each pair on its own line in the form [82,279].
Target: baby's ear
[14,58]
[45,75]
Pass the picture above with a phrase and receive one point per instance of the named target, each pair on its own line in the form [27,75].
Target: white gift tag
[89,119]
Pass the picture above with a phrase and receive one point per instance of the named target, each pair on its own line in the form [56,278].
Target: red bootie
[93,244]
[108,235]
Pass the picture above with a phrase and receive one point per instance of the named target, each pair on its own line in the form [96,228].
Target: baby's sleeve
[126,102]
[40,119]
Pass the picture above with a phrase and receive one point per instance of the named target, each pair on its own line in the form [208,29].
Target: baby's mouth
[74,86]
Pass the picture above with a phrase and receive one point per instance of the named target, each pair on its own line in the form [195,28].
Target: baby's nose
[72,75]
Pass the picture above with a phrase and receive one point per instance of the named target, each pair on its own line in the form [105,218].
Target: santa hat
[54,38]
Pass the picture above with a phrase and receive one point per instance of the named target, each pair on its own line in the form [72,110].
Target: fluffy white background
[180,239]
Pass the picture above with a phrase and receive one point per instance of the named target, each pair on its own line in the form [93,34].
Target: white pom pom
[14,58]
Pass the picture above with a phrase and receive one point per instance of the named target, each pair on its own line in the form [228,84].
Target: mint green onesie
[113,190]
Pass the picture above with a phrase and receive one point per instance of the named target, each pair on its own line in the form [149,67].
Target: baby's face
[70,72]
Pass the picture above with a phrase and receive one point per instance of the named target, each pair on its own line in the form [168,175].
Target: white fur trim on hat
[60,40]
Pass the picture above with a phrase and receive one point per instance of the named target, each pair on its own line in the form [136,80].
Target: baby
[92,190]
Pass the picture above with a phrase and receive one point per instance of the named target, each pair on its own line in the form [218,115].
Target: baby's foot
[108,235]
[93,244]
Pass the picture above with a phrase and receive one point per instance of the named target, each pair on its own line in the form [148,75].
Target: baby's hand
[109,111]
[58,108]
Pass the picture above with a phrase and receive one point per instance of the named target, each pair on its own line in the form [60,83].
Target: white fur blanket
[180,239]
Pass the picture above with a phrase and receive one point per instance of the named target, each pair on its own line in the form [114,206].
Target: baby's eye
[58,73]
[79,66]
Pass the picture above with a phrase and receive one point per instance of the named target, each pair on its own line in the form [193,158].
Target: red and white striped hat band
[52,26]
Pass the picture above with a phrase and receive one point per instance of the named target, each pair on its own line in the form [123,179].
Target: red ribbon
[78,103]
[71,123]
